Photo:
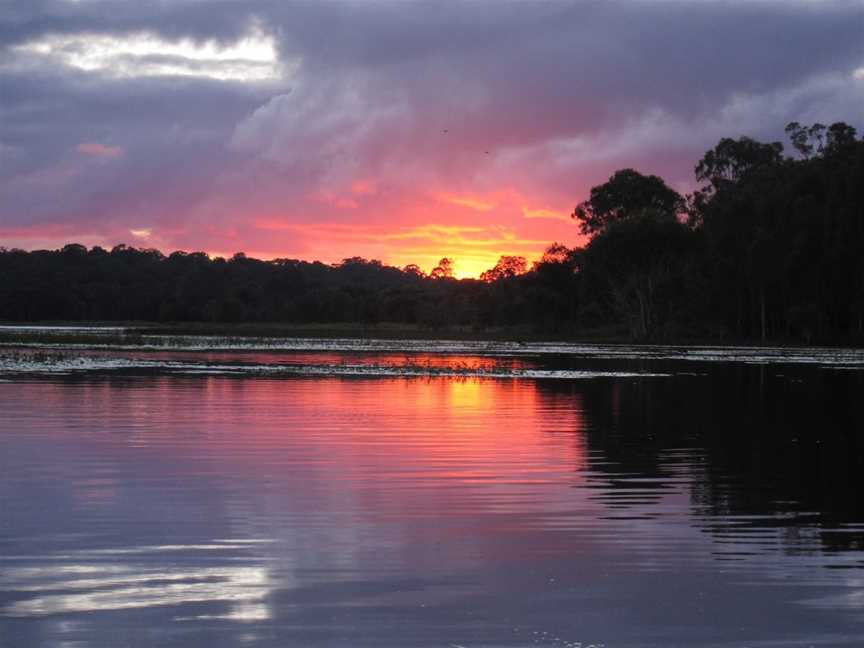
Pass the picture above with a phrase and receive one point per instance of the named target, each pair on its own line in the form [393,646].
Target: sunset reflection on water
[197,510]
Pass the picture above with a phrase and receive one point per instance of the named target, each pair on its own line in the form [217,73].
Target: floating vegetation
[119,339]
[58,362]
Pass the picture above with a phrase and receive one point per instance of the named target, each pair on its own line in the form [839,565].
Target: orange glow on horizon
[361,217]
[464,267]
[473,248]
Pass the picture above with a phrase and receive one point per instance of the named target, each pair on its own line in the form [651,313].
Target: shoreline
[112,333]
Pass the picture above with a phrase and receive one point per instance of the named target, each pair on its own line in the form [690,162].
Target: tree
[840,134]
[444,269]
[806,139]
[555,253]
[74,249]
[784,237]
[626,194]
[800,138]
[414,270]
[639,270]
[731,159]
[507,266]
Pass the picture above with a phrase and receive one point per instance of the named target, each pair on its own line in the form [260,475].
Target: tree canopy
[626,194]
[507,266]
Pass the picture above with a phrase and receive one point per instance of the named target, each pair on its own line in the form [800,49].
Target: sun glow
[472,248]
[473,267]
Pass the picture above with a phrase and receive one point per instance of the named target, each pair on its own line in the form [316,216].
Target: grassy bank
[136,333]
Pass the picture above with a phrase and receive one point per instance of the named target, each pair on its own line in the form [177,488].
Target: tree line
[769,247]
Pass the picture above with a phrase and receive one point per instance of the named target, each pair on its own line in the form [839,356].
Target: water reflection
[722,508]
[68,585]
[782,448]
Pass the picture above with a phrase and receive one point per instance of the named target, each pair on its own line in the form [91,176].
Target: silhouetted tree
[444,269]
[732,159]
[506,267]
[638,271]
[800,137]
[626,194]
[413,269]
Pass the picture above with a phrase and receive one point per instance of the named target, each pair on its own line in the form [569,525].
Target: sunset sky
[401,131]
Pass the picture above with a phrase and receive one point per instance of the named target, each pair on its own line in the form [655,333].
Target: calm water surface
[645,502]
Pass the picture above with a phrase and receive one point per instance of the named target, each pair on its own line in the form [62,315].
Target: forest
[770,247]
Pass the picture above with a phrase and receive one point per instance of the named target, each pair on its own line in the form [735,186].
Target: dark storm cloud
[546,97]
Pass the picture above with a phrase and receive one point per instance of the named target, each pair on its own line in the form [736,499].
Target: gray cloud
[546,97]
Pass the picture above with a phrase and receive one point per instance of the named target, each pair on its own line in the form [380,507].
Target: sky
[400,131]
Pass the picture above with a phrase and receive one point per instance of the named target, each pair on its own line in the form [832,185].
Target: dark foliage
[626,194]
[784,241]
[771,248]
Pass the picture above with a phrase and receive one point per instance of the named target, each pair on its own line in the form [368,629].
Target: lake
[243,492]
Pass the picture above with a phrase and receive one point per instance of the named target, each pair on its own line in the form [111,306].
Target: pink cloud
[364,187]
[99,150]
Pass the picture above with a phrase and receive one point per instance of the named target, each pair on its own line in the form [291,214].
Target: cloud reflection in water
[73,585]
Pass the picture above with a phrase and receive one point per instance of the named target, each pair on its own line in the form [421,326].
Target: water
[625,497]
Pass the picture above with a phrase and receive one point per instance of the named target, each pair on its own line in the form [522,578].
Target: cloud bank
[402,131]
